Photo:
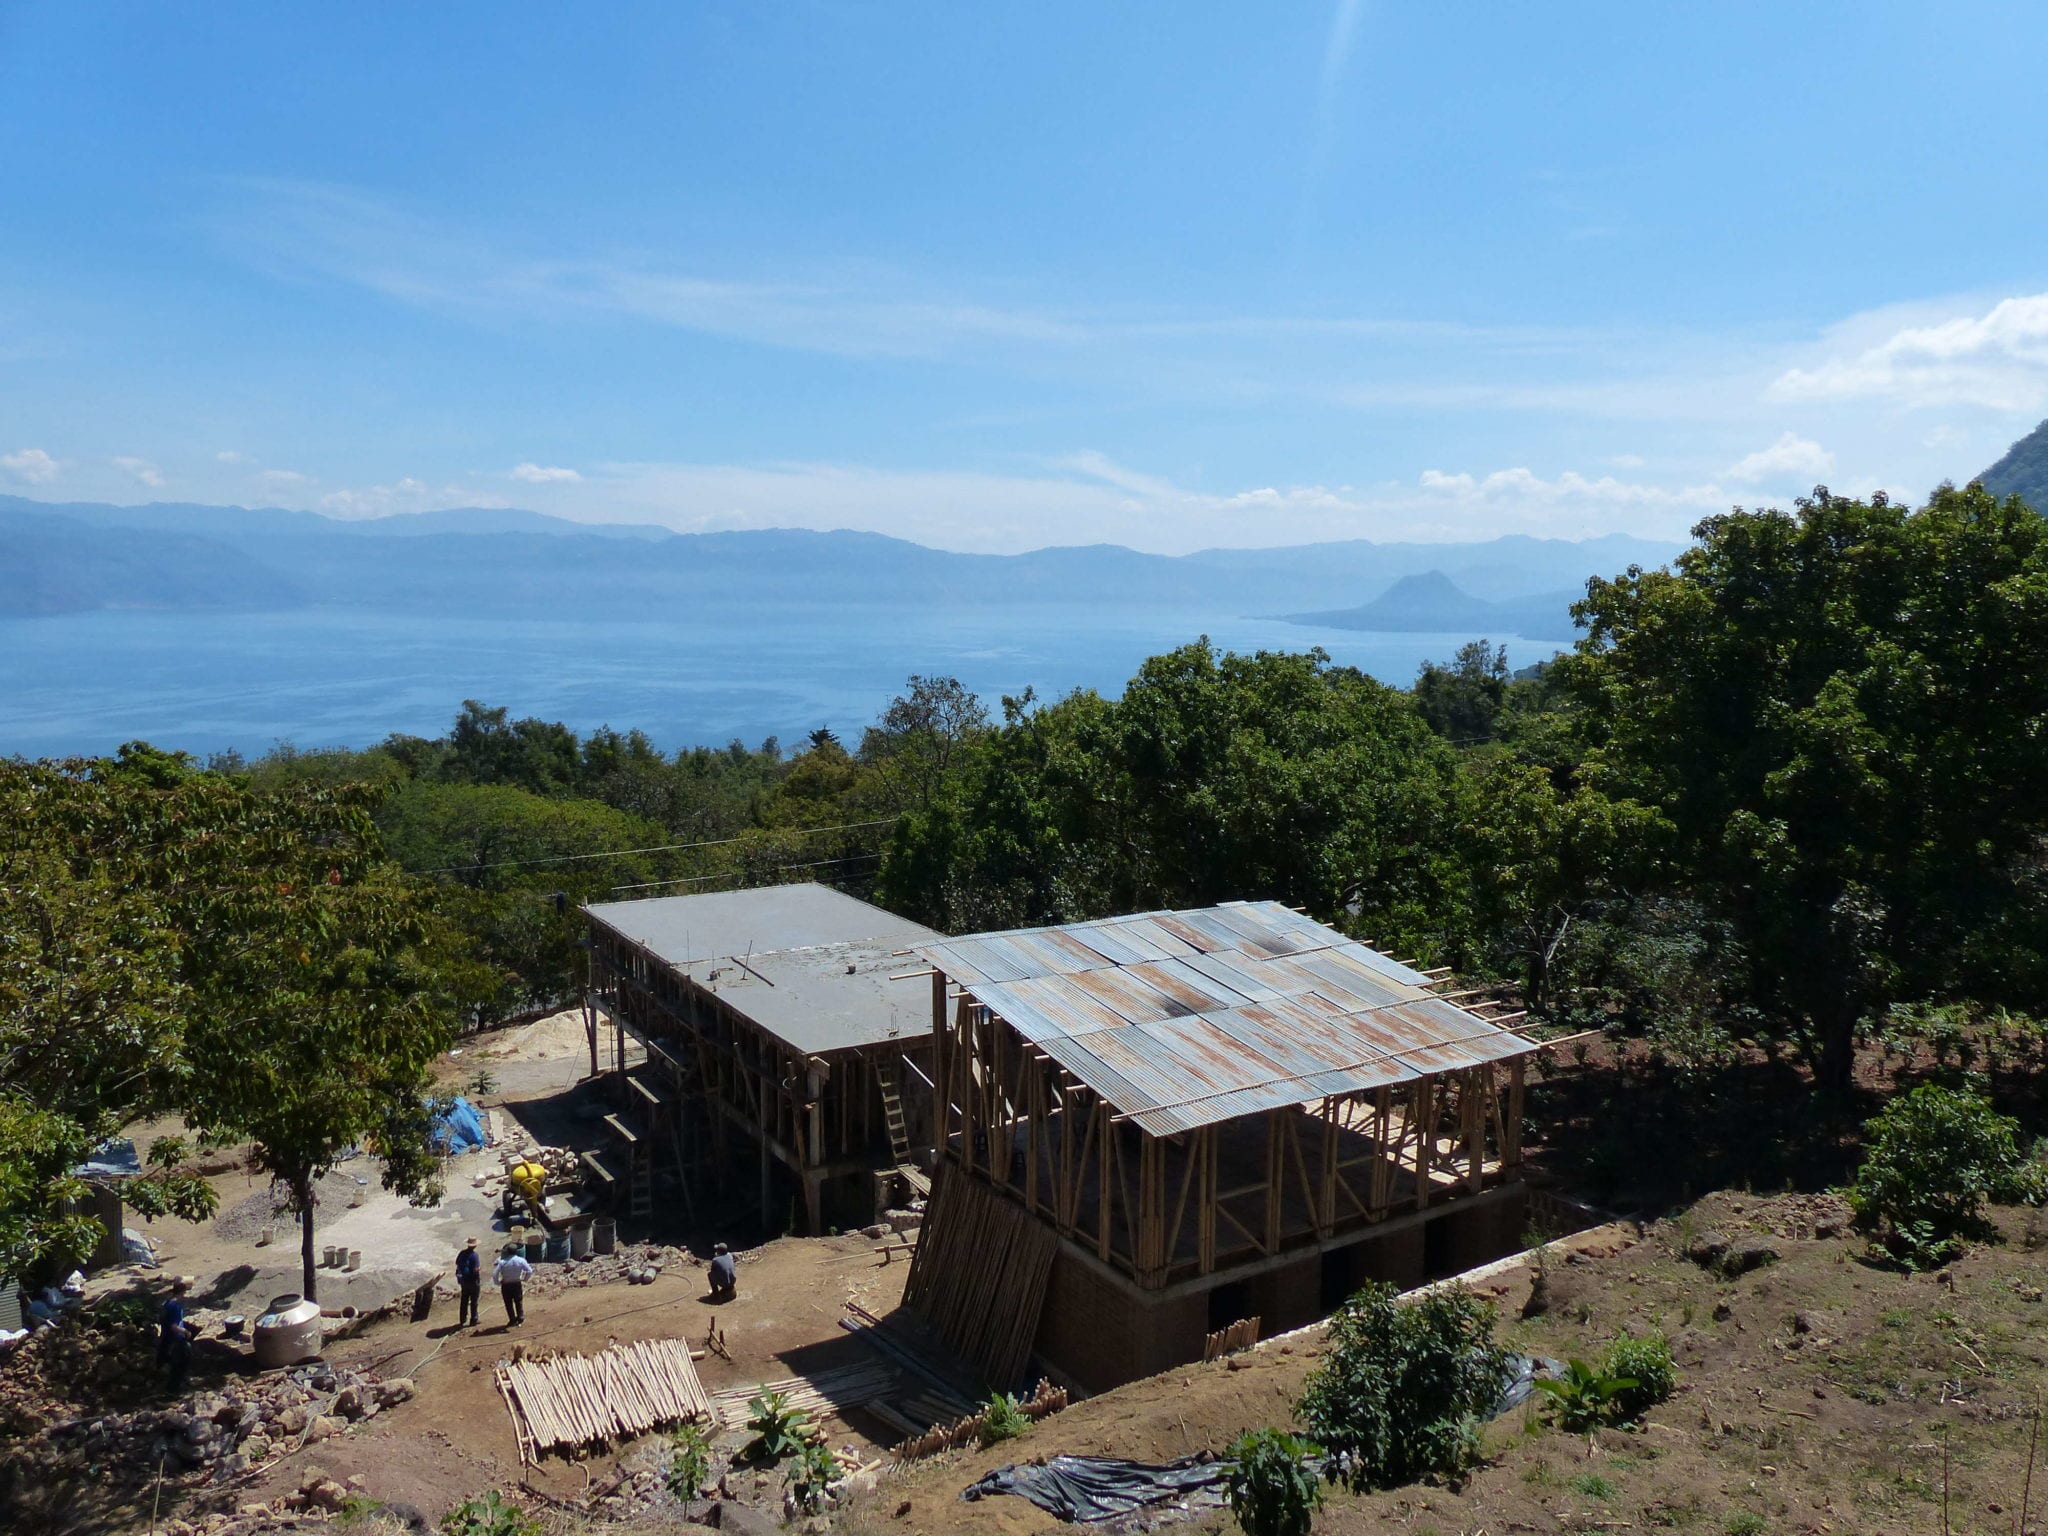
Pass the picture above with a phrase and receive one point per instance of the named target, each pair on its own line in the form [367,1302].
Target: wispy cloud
[1789,457]
[1997,359]
[282,477]
[141,471]
[31,466]
[1088,497]
[232,456]
[403,495]
[544,474]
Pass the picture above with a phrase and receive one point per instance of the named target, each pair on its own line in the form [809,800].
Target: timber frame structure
[772,1027]
[1219,1114]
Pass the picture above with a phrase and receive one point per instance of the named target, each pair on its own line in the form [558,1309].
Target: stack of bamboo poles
[979,1274]
[1242,1334]
[943,1437]
[571,1400]
[827,1392]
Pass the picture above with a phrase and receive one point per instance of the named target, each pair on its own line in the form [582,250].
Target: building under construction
[774,1034]
[1158,1127]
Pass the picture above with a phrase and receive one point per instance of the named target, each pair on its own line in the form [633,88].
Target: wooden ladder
[639,1167]
[892,1111]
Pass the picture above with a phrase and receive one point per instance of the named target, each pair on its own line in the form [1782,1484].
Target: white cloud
[282,477]
[31,465]
[1997,359]
[139,470]
[405,495]
[1090,498]
[543,474]
[1791,455]
[1526,487]
[1626,460]
[233,456]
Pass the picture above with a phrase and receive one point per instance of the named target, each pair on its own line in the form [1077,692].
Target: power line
[730,874]
[621,853]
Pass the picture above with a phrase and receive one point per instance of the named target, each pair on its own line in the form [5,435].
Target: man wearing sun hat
[469,1279]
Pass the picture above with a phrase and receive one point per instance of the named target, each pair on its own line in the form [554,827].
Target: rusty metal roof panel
[1185,1019]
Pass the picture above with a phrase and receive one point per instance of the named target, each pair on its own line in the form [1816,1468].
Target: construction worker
[725,1275]
[469,1280]
[511,1273]
[174,1335]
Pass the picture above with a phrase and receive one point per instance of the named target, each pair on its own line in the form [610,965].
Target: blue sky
[998,276]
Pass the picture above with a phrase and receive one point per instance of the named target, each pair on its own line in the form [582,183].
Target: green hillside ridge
[2023,472]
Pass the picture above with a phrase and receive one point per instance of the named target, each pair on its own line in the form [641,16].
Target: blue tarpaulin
[459,1129]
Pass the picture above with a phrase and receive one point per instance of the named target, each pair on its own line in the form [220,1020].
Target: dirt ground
[1816,1394]
[456,1436]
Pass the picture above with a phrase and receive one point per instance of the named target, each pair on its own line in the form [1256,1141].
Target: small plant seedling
[1273,1489]
[1745,1522]
[780,1430]
[689,1464]
[491,1515]
[1584,1397]
[812,1475]
[1001,1419]
[1593,1486]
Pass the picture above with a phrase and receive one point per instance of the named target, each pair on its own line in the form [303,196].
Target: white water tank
[287,1332]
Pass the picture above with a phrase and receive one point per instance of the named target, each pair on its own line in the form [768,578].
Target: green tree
[1462,701]
[1839,710]
[1932,1158]
[1402,1387]
[1274,1491]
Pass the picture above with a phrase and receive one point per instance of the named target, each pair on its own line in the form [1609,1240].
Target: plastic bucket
[536,1247]
[557,1251]
[579,1242]
[604,1235]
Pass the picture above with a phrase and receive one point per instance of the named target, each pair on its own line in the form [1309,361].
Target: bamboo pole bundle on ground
[626,1390]
[1242,1334]
[827,1392]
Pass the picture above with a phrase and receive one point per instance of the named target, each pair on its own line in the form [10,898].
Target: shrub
[779,1429]
[812,1475]
[1647,1362]
[1401,1390]
[1001,1419]
[491,1515]
[1935,1155]
[689,1463]
[1584,1397]
[1273,1489]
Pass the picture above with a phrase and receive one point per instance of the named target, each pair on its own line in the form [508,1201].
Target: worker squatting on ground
[511,1272]
[174,1335]
[725,1275]
[469,1280]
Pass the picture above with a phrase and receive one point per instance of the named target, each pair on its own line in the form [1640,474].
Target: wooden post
[1511,1145]
[1273,1179]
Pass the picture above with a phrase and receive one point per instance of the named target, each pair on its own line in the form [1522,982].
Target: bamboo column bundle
[979,1274]
[626,1390]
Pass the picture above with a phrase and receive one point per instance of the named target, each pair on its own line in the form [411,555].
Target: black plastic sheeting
[1090,1489]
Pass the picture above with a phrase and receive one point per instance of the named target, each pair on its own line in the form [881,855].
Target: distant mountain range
[76,557]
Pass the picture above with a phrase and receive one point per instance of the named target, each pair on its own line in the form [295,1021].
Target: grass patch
[1593,1486]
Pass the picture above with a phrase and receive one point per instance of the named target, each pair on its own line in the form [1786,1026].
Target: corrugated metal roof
[1184,1019]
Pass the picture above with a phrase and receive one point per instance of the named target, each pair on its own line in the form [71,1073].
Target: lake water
[85,683]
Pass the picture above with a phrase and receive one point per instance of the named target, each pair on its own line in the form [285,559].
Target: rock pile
[204,1438]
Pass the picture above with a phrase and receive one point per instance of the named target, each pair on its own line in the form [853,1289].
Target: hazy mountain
[58,565]
[515,563]
[2023,472]
[1432,602]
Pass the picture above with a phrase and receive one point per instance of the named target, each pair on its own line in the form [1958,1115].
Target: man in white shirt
[511,1273]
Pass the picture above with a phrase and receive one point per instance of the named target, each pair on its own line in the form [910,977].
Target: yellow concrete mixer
[530,1179]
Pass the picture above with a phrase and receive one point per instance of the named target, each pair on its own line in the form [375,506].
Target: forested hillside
[1785,792]
[2023,471]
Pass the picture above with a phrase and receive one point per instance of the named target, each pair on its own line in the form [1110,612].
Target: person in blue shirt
[469,1279]
[725,1275]
[174,1335]
[511,1273]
